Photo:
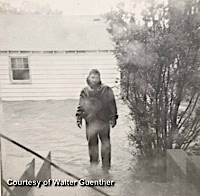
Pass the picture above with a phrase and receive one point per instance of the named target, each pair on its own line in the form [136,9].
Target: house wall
[57,76]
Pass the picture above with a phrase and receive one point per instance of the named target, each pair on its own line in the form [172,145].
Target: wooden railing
[44,172]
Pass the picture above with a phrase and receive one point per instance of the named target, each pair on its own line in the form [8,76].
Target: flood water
[47,126]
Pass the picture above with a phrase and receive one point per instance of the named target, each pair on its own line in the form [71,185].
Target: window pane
[20,74]
[25,60]
[19,63]
[13,60]
[19,60]
[25,65]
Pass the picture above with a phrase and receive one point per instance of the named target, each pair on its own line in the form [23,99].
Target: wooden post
[45,170]
[29,174]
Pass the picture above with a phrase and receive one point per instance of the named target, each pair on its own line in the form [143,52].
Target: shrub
[158,58]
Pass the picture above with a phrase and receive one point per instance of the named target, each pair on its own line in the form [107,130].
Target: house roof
[53,33]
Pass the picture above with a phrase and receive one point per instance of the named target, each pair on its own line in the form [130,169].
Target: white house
[49,57]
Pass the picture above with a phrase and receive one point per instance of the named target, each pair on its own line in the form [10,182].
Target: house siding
[57,76]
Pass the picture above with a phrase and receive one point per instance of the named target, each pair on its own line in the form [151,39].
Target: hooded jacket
[97,104]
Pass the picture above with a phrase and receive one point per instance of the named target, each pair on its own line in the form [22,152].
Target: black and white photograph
[100,98]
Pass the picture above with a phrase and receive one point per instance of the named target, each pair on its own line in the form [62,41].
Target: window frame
[29,81]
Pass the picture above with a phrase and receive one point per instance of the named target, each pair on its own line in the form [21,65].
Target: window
[20,70]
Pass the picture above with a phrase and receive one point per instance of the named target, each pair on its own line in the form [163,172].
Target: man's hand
[79,123]
[113,122]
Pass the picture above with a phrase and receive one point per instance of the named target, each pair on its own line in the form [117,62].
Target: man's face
[94,79]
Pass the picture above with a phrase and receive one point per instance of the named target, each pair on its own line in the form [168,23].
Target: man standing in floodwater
[97,106]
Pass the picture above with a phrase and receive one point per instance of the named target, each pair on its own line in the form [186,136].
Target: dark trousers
[95,130]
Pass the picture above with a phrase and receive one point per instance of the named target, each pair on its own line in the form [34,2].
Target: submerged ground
[47,126]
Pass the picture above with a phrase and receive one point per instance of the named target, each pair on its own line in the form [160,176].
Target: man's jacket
[97,104]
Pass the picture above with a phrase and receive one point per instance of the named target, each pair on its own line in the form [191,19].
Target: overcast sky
[76,7]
